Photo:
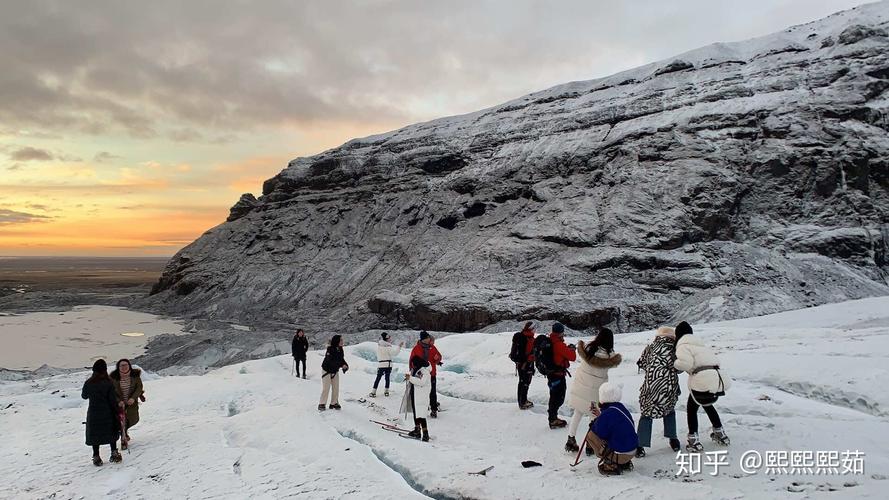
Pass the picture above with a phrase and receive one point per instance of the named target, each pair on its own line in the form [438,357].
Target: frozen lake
[77,337]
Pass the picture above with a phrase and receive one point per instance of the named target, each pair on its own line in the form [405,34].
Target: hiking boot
[627,467]
[322,407]
[433,414]
[336,406]
[675,444]
[386,393]
[720,436]
[571,445]
[116,457]
[373,393]
[97,460]
[609,468]
[640,452]
[694,444]
[527,405]
[425,435]
[304,376]
[414,433]
[557,423]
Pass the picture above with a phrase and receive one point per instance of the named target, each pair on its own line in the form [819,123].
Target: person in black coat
[334,360]
[102,422]
[300,348]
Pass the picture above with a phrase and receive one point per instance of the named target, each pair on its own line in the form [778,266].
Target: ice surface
[812,379]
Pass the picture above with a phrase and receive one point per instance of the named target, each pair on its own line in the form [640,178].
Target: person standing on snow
[300,348]
[385,352]
[416,396]
[334,360]
[427,351]
[612,434]
[562,355]
[705,383]
[660,389]
[596,358]
[522,354]
[127,382]
[102,424]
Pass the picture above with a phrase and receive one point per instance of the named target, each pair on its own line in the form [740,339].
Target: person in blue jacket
[612,434]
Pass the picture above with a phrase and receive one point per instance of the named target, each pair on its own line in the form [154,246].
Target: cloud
[105,156]
[28,153]
[235,66]
[42,207]
[10,217]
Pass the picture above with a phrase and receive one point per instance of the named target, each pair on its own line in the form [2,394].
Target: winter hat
[666,331]
[610,392]
[683,329]
[424,335]
[558,327]
[384,335]
[529,326]
[100,366]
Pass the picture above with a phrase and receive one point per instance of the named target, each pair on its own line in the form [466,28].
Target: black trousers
[692,410]
[557,387]
[381,372]
[526,374]
[433,396]
[96,448]
[298,361]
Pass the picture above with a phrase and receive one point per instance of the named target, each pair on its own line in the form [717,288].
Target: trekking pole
[577,459]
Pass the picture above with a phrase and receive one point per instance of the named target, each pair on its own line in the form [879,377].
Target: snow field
[803,380]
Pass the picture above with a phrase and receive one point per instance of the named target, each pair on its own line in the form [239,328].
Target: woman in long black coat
[102,422]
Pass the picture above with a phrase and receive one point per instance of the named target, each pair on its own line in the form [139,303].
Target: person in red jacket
[563,355]
[426,349]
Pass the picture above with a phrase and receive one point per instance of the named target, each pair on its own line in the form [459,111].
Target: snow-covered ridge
[735,180]
[813,35]
[806,380]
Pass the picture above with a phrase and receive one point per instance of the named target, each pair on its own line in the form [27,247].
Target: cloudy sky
[130,127]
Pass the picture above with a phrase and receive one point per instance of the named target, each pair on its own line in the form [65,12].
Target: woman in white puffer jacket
[596,358]
[706,383]
[385,352]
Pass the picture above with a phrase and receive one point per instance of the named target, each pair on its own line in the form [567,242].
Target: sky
[129,128]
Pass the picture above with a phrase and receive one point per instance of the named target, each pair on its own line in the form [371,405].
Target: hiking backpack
[543,355]
[517,352]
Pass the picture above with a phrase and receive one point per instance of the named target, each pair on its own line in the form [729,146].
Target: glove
[142,397]
[345,368]
[572,347]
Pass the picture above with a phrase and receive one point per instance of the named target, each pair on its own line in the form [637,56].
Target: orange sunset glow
[129,129]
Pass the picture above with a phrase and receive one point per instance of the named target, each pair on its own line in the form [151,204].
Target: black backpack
[517,352]
[543,355]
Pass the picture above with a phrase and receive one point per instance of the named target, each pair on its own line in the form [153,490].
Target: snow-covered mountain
[809,380]
[733,180]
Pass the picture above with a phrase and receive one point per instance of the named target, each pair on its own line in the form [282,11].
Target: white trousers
[329,382]
[575,423]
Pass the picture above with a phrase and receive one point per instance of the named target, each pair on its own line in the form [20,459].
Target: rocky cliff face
[734,180]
